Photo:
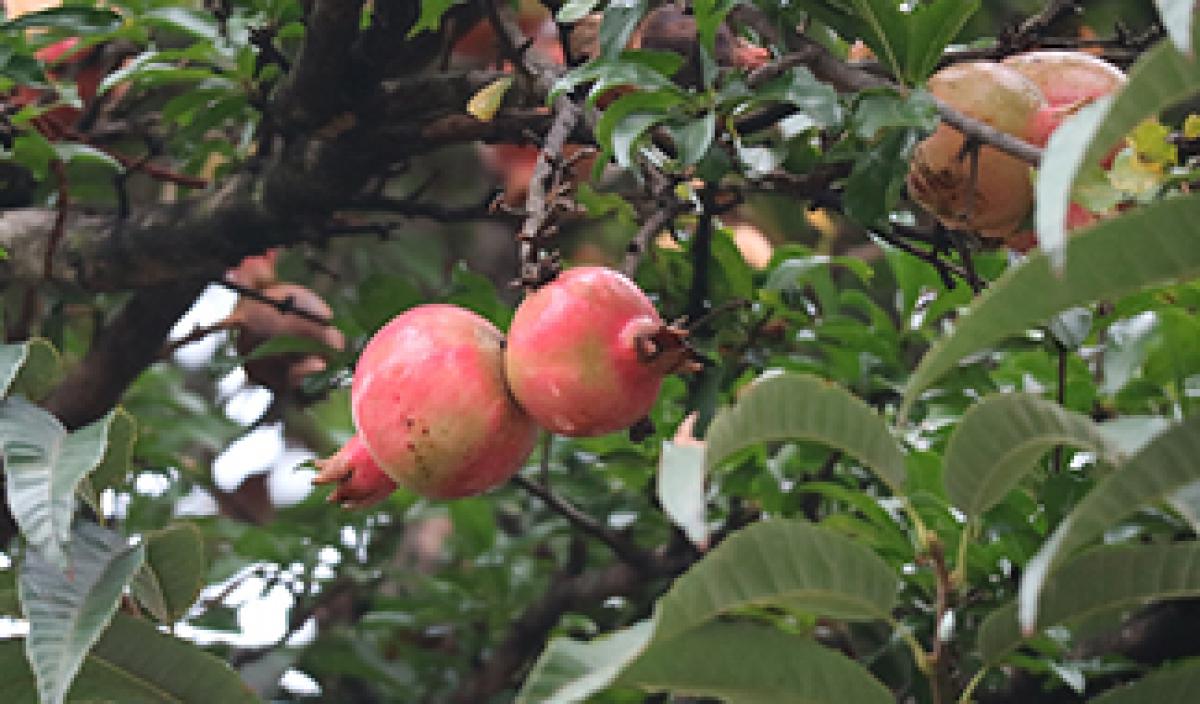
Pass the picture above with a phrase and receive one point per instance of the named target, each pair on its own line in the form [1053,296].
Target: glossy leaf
[571,670]
[1097,581]
[133,662]
[1160,78]
[802,407]
[29,368]
[1149,245]
[681,490]
[783,563]
[1165,465]
[1175,684]
[173,574]
[68,612]
[43,465]
[1000,439]
[752,663]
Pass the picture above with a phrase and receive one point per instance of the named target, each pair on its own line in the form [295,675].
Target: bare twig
[623,548]
[287,305]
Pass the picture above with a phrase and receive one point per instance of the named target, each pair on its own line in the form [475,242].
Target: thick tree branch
[122,350]
[317,87]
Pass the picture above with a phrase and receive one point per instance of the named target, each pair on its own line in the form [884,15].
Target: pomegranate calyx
[666,350]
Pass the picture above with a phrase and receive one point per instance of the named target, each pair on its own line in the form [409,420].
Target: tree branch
[623,548]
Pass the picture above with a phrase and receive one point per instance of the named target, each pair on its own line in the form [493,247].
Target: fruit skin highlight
[430,404]
[587,353]
[360,481]
[940,175]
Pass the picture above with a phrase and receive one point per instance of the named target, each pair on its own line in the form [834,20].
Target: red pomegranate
[430,403]
[587,353]
[940,175]
[360,481]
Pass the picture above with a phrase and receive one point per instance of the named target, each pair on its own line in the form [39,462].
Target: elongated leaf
[681,490]
[12,357]
[67,614]
[1176,684]
[43,465]
[133,662]
[173,574]
[783,563]
[1107,577]
[1160,78]
[750,663]
[804,407]
[1001,438]
[1177,16]
[571,670]
[780,563]
[1149,245]
[1161,468]
[30,368]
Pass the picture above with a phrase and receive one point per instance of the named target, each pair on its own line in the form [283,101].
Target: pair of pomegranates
[1028,96]
[445,406]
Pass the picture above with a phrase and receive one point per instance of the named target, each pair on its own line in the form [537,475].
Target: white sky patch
[213,306]
[250,454]
[299,684]
[290,484]
[246,406]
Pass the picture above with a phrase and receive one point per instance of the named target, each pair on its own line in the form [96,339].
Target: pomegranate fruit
[360,481]
[430,404]
[587,353]
[256,322]
[940,175]
[1068,80]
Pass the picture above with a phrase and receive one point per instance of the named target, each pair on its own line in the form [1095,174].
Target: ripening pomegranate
[360,481]
[587,353]
[940,175]
[430,403]
[1068,80]
[256,322]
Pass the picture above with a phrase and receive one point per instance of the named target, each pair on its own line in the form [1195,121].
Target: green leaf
[793,273]
[571,670]
[71,153]
[185,20]
[67,614]
[1175,684]
[118,457]
[798,87]
[1160,78]
[621,18]
[431,15]
[880,109]
[41,371]
[43,465]
[1097,581]
[911,42]
[649,70]
[874,185]
[134,663]
[803,407]
[779,563]
[641,102]
[693,138]
[1000,439]
[681,490]
[750,663]
[575,10]
[1152,244]
[1177,16]
[30,368]
[1165,465]
[76,19]
[173,574]
[782,563]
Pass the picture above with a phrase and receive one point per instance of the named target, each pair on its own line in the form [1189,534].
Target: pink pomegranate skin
[572,354]
[360,481]
[430,403]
